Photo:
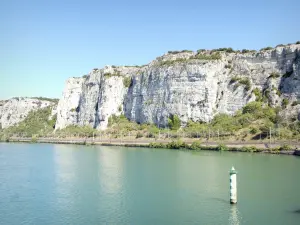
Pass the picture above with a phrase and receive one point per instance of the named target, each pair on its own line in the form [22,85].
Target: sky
[42,43]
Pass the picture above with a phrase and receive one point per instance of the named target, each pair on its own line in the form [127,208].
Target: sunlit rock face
[15,110]
[176,84]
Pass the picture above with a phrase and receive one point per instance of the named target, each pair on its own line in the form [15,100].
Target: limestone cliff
[15,110]
[193,85]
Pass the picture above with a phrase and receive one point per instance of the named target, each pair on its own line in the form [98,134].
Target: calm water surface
[67,184]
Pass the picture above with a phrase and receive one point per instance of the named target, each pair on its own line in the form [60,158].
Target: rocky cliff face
[15,110]
[194,86]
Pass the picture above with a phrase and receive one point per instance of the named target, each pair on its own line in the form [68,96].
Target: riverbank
[262,147]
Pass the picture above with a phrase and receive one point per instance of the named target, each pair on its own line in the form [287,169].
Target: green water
[67,184]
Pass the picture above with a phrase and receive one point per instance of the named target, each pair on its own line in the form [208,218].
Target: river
[89,185]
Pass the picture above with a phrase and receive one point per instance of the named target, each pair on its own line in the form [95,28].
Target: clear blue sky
[42,43]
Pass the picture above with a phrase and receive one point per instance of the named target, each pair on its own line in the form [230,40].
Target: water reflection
[110,170]
[234,217]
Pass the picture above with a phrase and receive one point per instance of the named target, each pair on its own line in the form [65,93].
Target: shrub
[228,66]
[213,56]
[274,75]
[246,82]
[257,94]
[284,103]
[222,147]
[120,108]
[127,81]
[249,149]
[196,145]
[266,48]
[252,107]
[298,42]
[156,145]
[296,103]
[288,74]
[245,51]
[176,144]
[254,130]
[139,135]
[285,147]
[174,122]
[234,79]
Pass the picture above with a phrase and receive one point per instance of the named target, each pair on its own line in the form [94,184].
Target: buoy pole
[233,189]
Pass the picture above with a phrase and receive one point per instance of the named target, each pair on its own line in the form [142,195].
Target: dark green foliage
[127,81]
[176,144]
[115,74]
[241,81]
[174,122]
[245,51]
[298,42]
[36,123]
[254,130]
[284,103]
[200,50]
[176,52]
[285,147]
[274,75]
[228,66]
[222,147]
[54,100]
[139,135]
[252,107]
[249,149]
[296,103]
[288,74]
[245,81]
[257,94]
[228,50]
[213,56]
[74,130]
[157,145]
[120,108]
[85,76]
[234,79]
[266,48]
[196,145]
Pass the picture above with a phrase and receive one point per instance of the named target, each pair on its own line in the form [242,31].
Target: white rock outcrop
[193,89]
[15,110]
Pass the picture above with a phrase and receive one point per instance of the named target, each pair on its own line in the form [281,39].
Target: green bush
[196,145]
[127,81]
[257,94]
[252,107]
[176,144]
[285,103]
[266,48]
[285,147]
[139,135]
[246,82]
[298,42]
[174,122]
[157,145]
[222,147]
[254,130]
[296,103]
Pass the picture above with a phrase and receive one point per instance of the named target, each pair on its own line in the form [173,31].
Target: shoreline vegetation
[257,127]
[253,147]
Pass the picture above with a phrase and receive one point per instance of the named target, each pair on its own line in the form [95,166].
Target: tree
[174,122]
